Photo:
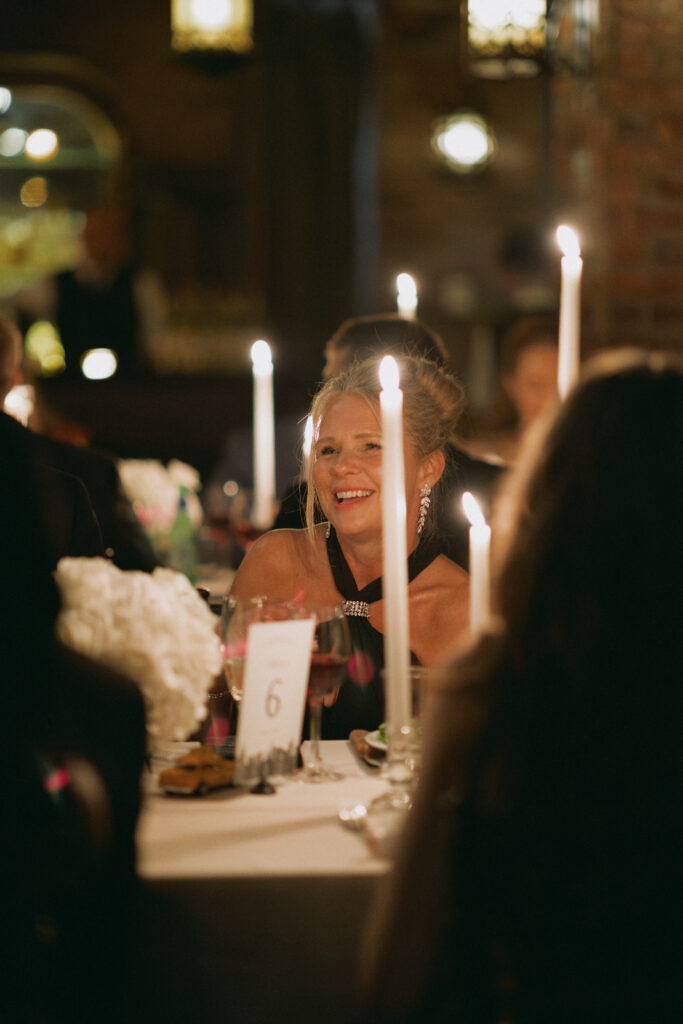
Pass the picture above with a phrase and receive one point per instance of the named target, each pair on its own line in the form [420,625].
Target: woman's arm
[269,568]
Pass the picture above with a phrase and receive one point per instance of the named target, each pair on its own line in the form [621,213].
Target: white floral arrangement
[154,490]
[154,628]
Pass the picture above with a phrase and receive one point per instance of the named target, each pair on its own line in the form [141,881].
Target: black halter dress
[360,704]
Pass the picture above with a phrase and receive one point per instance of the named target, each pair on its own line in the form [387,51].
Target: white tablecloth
[252,906]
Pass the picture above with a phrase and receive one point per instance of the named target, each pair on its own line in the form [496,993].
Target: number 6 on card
[274,699]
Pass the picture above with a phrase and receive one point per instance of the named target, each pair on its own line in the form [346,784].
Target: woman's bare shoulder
[444,572]
[441,610]
[274,563]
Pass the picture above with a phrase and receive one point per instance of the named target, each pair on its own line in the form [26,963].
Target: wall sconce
[464,141]
[212,26]
[506,38]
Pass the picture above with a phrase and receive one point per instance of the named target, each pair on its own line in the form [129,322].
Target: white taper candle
[264,436]
[570,310]
[480,545]
[395,567]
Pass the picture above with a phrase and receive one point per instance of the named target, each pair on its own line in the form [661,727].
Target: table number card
[274,699]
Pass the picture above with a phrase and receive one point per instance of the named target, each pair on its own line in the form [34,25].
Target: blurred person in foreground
[340,559]
[71,757]
[528,384]
[365,337]
[539,875]
[69,513]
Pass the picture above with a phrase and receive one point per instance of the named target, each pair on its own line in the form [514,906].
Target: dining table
[251,907]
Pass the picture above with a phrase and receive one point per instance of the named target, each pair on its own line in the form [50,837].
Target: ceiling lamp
[212,26]
[506,38]
[464,140]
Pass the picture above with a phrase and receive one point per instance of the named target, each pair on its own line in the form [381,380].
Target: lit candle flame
[472,510]
[406,287]
[260,356]
[568,241]
[388,374]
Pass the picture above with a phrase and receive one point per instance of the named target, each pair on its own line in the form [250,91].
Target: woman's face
[533,383]
[348,468]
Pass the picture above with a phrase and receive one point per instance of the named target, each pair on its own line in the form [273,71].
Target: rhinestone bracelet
[360,609]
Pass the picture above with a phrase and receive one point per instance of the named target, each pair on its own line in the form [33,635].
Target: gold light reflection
[42,144]
[33,192]
[44,347]
[5,100]
[212,25]
[506,39]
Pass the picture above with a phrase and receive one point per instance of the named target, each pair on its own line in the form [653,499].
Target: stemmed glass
[237,615]
[385,815]
[329,660]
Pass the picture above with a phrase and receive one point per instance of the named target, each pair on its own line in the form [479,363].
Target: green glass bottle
[182,541]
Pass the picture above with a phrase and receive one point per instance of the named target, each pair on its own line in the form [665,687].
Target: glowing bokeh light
[19,402]
[43,346]
[99,363]
[33,192]
[12,141]
[42,144]
[464,140]
[211,14]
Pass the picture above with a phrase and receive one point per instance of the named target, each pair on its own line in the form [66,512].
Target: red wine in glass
[326,675]
[330,656]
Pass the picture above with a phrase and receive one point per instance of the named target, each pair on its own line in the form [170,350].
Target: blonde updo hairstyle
[433,400]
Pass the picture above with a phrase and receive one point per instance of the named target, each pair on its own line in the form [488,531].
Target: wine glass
[240,518]
[237,615]
[329,660]
[385,816]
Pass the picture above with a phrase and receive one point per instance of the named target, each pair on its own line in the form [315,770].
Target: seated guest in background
[365,337]
[72,753]
[106,301]
[341,558]
[528,383]
[539,875]
[122,537]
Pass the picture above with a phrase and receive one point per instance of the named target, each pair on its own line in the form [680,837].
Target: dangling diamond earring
[425,502]
[327,531]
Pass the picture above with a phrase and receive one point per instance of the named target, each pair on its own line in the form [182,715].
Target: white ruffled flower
[154,490]
[154,628]
[184,475]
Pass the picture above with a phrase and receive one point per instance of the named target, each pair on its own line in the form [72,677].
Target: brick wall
[618,171]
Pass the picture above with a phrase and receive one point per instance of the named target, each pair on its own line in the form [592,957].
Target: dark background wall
[277,195]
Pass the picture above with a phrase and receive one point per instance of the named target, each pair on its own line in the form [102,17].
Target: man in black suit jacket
[72,754]
[123,539]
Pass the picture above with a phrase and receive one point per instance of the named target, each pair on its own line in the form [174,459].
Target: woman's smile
[346,497]
[348,463]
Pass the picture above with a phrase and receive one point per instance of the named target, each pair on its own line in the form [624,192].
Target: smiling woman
[340,560]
